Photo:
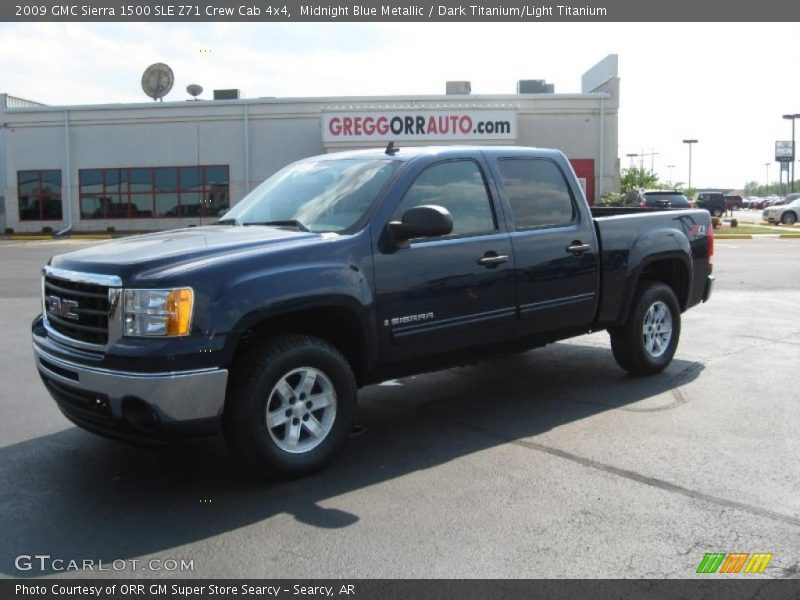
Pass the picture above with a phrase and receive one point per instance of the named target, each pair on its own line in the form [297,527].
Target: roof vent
[534,86]
[458,87]
[226,94]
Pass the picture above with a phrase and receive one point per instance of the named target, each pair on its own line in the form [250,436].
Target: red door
[584,169]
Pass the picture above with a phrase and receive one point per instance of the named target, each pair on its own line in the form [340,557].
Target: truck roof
[405,153]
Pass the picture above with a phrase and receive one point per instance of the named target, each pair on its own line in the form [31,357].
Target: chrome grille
[86,320]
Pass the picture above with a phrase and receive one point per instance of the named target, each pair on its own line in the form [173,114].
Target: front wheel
[716,212]
[647,341]
[290,406]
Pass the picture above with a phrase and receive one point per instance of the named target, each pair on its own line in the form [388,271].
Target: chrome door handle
[578,248]
[491,260]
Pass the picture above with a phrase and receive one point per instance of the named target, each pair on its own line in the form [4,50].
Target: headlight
[161,313]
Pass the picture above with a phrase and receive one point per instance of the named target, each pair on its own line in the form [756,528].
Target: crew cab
[348,269]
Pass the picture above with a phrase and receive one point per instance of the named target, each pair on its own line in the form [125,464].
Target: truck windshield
[320,196]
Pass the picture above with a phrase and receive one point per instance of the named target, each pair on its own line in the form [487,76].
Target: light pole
[690,142]
[670,167]
[792,117]
[631,156]
[766,188]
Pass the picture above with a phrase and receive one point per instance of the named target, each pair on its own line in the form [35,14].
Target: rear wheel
[716,212]
[647,341]
[290,406]
[788,218]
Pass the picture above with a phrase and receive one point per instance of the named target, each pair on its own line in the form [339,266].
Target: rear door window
[537,192]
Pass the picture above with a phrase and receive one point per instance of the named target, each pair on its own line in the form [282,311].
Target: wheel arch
[672,269]
[339,321]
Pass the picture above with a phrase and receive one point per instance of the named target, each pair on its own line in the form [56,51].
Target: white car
[787,212]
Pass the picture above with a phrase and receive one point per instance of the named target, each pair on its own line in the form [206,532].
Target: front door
[453,292]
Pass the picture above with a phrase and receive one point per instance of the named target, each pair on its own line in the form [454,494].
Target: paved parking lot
[552,463]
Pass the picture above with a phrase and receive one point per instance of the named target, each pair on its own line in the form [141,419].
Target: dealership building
[159,165]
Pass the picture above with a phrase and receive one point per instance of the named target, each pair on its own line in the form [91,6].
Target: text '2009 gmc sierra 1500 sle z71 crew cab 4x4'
[348,269]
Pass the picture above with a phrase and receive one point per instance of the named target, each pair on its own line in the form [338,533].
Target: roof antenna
[391,150]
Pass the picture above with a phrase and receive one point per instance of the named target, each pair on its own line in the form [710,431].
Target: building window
[141,193]
[39,194]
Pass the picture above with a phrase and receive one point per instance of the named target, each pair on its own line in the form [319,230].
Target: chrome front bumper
[174,397]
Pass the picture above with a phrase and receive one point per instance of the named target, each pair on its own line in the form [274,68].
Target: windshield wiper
[226,222]
[285,223]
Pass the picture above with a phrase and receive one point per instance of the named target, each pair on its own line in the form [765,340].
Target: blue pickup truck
[347,269]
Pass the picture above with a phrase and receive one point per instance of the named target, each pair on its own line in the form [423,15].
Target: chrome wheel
[301,410]
[657,329]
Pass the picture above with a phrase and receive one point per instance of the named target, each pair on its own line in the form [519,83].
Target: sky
[725,84]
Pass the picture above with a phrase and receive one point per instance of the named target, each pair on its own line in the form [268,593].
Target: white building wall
[278,133]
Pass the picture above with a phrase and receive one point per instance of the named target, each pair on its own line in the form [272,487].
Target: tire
[634,349]
[290,406]
[788,218]
[716,212]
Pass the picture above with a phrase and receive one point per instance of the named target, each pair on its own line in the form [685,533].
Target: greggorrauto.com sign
[419,125]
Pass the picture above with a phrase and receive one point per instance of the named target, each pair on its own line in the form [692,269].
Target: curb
[789,236]
[734,236]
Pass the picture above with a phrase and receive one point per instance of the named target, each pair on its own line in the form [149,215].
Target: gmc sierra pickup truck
[347,269]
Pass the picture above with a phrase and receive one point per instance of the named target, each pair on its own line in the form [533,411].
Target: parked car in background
[786,211]
[656,199]
[734,202]
[713,202]
[753,202]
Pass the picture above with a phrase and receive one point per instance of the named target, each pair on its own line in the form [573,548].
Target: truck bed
[629,237]
[600,212]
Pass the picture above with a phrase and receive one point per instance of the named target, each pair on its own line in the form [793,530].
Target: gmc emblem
[62,308]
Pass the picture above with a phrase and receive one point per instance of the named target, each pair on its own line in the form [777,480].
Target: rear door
[555,247]
[449,293]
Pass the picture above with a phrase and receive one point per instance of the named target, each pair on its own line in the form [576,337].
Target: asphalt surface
[552,463]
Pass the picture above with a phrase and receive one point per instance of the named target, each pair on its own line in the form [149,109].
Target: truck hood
[172,250]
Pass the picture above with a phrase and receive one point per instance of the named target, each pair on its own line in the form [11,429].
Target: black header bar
[405,589]
[282,11]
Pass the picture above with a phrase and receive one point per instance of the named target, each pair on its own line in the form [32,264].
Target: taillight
[642,203]
[710,244]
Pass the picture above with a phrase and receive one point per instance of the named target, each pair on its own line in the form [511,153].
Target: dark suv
[713,202]
[656,199]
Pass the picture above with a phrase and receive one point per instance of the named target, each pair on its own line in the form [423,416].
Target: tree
[634,179]
[751,188]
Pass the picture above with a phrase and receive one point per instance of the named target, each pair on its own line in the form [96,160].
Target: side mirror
[427,220]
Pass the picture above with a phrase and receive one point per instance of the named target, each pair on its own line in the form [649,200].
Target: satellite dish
[157,81]
[194,90]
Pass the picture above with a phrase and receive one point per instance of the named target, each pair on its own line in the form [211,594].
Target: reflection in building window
[141,193]
[39,195]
